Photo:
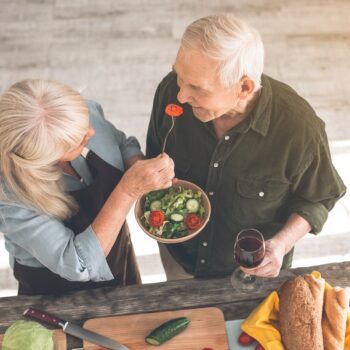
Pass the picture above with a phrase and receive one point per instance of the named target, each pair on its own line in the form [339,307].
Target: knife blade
[74,329]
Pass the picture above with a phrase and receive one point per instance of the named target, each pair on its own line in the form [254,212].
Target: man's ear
[247,87]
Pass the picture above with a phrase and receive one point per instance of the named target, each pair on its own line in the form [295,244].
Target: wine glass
[249,252]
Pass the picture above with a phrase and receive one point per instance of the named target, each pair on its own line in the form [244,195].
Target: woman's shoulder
[96,113]
[105,132]
[107,139]
[104,129]
[110,143]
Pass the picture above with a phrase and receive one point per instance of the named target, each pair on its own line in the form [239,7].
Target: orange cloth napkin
[262,323]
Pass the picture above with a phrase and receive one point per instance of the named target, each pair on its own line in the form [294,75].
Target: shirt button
[211,193]
[227,137]
[202,261]
[205,244]
[261,194]
[216,165]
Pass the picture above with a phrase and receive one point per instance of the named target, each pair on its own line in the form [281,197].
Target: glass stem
[247,277]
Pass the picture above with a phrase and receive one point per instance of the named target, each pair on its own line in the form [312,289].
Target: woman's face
[69,156]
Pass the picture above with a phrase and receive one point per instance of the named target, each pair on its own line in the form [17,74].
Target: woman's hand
[272,263]
[148,175]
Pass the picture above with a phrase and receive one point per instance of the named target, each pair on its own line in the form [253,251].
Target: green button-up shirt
[274,163]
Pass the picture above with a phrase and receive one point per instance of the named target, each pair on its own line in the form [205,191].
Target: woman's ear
[247,88]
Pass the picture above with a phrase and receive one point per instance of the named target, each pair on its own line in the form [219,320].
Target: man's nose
[183,96]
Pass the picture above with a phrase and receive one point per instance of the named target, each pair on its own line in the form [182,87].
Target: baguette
[336,306]
[300,320]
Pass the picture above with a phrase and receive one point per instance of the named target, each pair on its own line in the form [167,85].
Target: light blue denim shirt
[37,240]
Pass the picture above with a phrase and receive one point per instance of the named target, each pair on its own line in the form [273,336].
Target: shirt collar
[80,165]
[71,183]
[260,115]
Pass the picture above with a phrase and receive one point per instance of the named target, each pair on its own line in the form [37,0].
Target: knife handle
[44,317]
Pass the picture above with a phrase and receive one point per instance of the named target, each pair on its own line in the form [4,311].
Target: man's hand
[271,265]
[276,248]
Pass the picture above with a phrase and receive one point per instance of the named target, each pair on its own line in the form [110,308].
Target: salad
[173,213]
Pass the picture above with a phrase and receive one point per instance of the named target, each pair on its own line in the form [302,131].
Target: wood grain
[59,340]
[206,329]
[80,306]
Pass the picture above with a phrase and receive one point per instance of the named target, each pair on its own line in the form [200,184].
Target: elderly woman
[68,179]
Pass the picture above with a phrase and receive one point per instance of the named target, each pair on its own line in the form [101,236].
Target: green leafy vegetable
[178,201]
[27,335]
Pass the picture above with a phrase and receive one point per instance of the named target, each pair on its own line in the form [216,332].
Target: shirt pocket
[258,201]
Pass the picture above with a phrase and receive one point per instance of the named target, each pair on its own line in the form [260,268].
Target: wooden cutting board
[207,329]
[59,340]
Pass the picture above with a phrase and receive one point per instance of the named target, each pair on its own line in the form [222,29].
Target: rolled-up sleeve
[317,187]
[39,241]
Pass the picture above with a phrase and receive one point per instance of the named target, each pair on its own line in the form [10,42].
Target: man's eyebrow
[196,87]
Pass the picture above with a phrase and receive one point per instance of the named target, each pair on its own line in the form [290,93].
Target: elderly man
[252,143]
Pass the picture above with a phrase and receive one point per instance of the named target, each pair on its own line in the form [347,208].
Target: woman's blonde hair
[235,45]
[40,120]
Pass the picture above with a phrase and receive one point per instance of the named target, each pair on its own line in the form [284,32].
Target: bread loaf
[336,306]
[300,316]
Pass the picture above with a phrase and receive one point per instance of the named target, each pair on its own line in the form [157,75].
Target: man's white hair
[236,46]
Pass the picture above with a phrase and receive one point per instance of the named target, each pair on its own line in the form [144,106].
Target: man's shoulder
[166,93]
[169,80]
[168,85]
[295,110]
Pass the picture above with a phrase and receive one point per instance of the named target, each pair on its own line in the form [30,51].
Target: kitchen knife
[74,330]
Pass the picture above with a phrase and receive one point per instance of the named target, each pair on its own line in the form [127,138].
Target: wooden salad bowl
[186,185]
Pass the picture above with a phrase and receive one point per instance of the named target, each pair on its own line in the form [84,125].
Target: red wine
[249,252]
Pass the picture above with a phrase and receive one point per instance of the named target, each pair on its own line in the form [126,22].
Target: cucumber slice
[156,205]
[147,214]
[167,330]
[176,217]
[192,205]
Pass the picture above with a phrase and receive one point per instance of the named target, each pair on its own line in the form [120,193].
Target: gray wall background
[117,51]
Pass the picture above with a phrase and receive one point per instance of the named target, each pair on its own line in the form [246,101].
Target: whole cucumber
[167,331]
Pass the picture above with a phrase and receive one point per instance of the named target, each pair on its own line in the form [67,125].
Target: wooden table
[80,306]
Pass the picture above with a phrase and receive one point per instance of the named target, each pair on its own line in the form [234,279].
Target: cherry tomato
[193,221]
[259,347]
[156,218]
[173,110]
[245,339]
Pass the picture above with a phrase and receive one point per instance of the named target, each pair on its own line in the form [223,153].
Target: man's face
[200,86]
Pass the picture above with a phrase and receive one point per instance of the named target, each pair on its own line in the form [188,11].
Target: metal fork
[166,136]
